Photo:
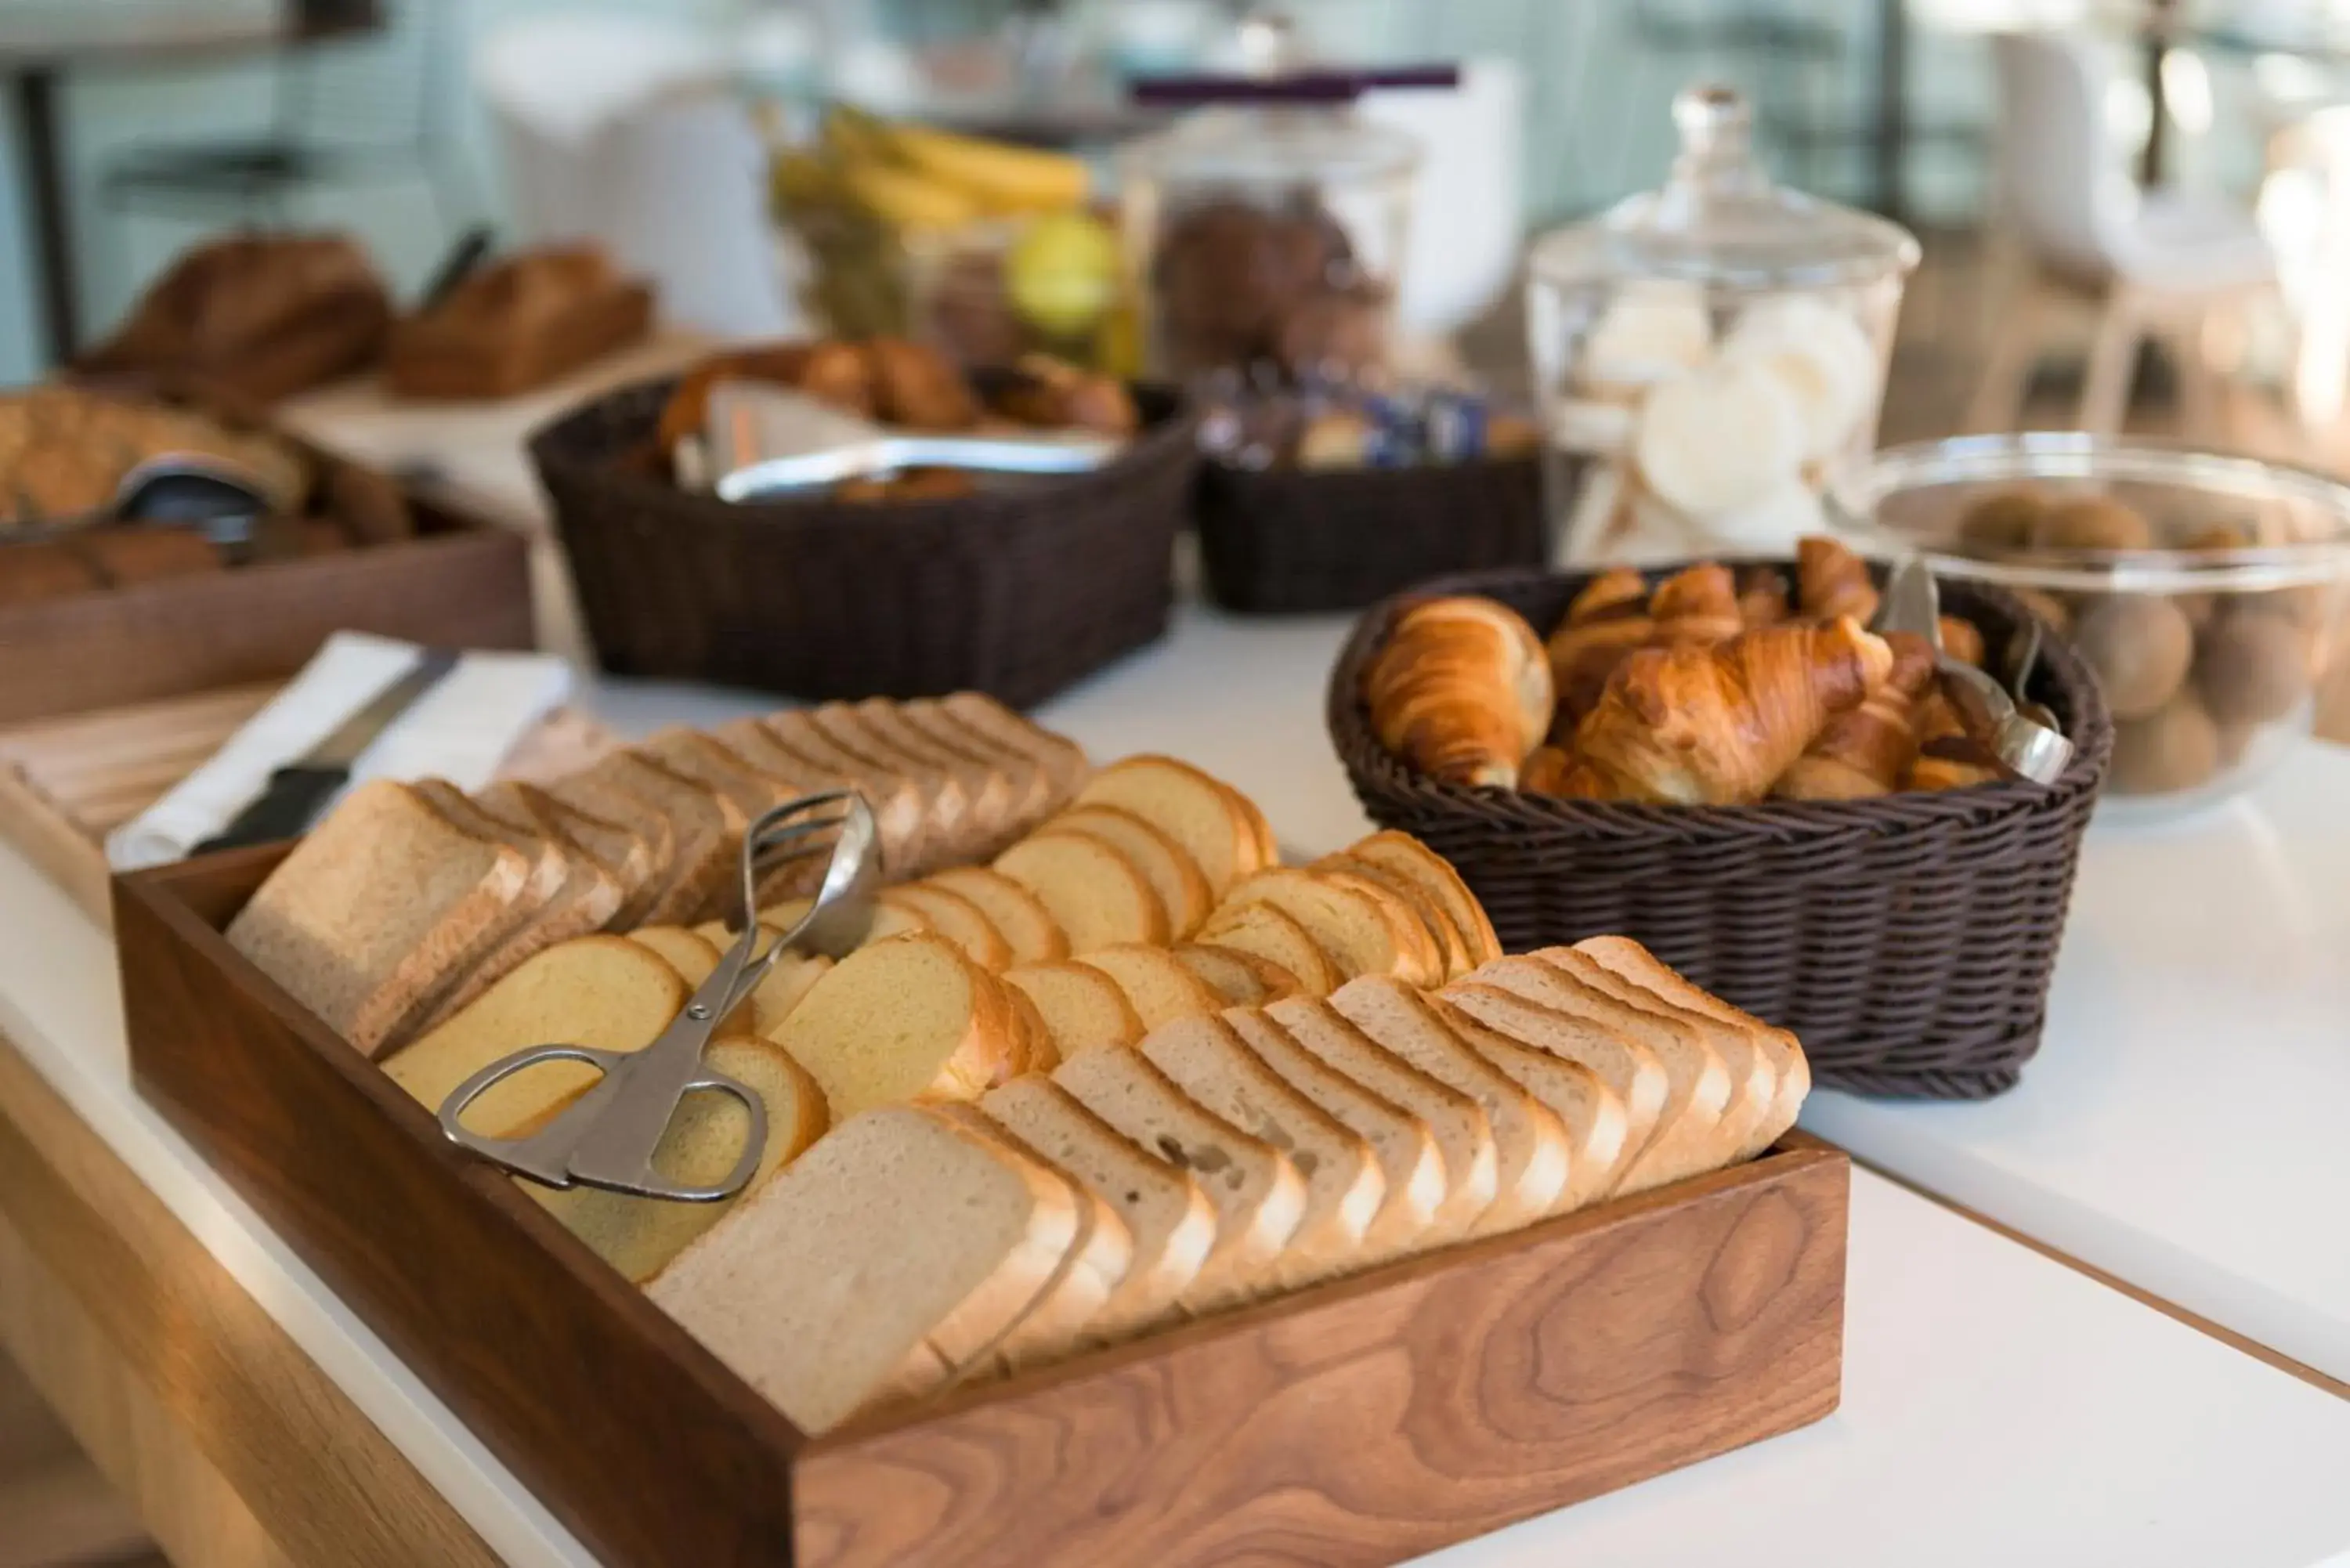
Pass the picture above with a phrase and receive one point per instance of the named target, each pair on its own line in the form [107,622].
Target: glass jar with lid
[1712,355]
[1267,227]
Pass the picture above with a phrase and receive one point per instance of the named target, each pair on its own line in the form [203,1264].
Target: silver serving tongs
[607,1136]
[2022,747]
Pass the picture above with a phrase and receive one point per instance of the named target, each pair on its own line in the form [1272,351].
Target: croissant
[1948,757]
[1962,640]
[1831,581]
[1761,596]
[1717,726]
[1607,619]
[1697,604]
[1463,690]
[1545,772]
[1867,751]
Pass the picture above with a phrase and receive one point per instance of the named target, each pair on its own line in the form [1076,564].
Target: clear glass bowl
[2208,592]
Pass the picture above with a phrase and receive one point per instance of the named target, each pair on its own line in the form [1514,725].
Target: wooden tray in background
[1358,1422]
[67,782]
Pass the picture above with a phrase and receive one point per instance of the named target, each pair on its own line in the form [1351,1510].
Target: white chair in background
[2160,263]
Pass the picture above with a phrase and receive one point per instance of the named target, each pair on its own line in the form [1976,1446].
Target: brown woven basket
[1290,541]
[1013,594]
[1907,940]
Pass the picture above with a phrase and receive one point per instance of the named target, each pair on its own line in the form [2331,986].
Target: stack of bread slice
[410,901]
[968,1218]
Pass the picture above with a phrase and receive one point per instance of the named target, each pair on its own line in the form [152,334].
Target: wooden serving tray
[1358,1422]
[67,782]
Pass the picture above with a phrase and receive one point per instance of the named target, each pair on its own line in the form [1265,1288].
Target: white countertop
[2186,1125]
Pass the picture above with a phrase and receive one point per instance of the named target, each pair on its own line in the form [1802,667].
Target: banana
[852,136]
[906,200]
[1003,178]
[1719,439]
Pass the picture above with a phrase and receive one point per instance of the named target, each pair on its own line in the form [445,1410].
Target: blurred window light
[2187,84]
[2129,112]
[2293,78]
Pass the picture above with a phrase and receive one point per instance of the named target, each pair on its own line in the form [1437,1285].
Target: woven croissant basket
[1907,939]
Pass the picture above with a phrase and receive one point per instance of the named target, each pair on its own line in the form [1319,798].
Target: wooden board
[67,782]
[1355,1423]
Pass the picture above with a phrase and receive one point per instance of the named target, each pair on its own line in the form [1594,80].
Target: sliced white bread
[691,755]
[1094,893]
[1410,1161]
[947,813]
[516,940]
[1031,793]
[692,955]
[1259,1196]
[1686,1132]
[955,918]
[636,857]
[990,791]
[1274,935]
[372,912]
[1198,811]
[603,992]
[1631,1070]
[1362,927]
[900,812]
[1636,963]
[630,788]
[1027,927]
[1421,958]
[1098,1259]
[1530,1145]
[1171,1225]
[589,896]
[1407,858]
[1451,947]
[897,1247]
[1598,1154]
[1160,987]
[991,723]
[1181,889]
[1238,978]
[722,935]
[1345,1188]
[784,985]
[1268,853]
[1753,1076]
[1083,1009]
[639,1236]
[901,1020]
[1038,1051]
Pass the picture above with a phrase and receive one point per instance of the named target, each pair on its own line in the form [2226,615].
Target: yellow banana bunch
[1000,177]
[906,200]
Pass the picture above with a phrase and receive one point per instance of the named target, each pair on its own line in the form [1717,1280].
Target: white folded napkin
[461,731]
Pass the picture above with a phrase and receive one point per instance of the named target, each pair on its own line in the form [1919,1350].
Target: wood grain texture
[231,1442]
[1358,1422]
[67,782]
[648,1449]
[1384,1416]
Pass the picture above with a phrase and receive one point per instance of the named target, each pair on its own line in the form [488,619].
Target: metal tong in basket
[608,1136]
[2022,736]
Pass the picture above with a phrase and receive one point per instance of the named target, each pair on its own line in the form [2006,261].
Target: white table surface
[2186,1125]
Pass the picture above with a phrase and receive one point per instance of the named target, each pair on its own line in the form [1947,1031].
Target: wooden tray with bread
[98,614]
[67,782]
[1127,1197]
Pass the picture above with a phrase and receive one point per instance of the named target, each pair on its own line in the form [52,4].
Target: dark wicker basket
[1289,541]
[1016,594]
[1907,940]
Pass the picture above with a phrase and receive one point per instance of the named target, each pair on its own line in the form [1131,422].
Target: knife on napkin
[295,791]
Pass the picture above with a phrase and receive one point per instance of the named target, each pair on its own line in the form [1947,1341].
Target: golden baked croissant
[1830,581]
[1607,619]
[1761,596]
[1867,751]
[1463,690]
[1697,604]
[1949,756]
[1962,640]
[1545,772]
[1717,726]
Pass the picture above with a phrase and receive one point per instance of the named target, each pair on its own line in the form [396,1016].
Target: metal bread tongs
[608,1136]
[2021,744]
